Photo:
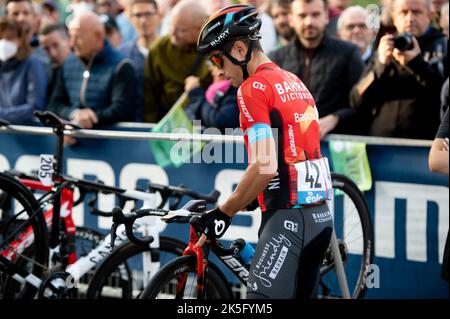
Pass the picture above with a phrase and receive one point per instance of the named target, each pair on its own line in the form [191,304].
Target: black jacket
[329,74]
[404,101]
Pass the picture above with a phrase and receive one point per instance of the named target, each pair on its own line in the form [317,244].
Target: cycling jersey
[275,103]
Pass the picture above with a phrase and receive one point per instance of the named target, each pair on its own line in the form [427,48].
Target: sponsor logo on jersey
[292,90]
[259,86]
[274,183]
[244,109]
[292,140]
[306,118]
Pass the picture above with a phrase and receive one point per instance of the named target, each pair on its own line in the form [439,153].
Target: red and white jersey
[275,103]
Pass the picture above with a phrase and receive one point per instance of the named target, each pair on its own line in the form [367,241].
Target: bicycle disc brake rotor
[57,285]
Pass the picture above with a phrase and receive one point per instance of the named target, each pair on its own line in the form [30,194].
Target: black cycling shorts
[290,249]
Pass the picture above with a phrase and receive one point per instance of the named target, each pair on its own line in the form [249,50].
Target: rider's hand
[213,225]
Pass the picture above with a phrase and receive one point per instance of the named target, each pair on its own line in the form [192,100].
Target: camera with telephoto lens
[404,41]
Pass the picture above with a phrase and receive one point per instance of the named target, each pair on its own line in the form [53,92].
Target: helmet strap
[243,63]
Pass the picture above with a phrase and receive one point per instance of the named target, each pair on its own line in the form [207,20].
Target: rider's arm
[262,168]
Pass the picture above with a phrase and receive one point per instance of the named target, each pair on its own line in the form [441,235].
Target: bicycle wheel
[132,255]
[23,236]
[88,239]
[353,227]
[164,284]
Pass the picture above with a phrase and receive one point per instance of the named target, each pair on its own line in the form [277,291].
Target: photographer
[401,85]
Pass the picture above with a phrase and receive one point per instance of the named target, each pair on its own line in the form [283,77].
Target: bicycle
[30,236]
[193,276]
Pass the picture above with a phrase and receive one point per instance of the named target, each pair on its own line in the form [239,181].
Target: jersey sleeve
[254,100]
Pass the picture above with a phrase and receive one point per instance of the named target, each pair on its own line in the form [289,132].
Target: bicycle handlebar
[167,191]
[183,215]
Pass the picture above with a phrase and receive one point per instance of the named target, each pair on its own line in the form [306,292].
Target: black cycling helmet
[232,22]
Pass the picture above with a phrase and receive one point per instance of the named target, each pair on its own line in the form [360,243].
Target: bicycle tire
[123,254]
[94,238]
[361,254]
[216,287]
[16,197]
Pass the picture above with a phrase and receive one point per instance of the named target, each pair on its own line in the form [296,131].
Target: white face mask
[8,49]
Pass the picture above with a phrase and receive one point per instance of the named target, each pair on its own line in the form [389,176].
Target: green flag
[178,152]
[350,159]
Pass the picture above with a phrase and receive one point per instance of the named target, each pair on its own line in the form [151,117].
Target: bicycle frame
[226,256]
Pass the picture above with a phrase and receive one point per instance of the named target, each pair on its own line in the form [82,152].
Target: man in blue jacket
[95,85]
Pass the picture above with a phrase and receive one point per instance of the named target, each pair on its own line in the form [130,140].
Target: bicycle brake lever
[113,235]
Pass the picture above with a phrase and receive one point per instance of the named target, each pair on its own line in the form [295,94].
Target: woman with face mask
[23,80]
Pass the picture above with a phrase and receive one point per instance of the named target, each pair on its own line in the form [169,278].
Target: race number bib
[46,171]
[313,181]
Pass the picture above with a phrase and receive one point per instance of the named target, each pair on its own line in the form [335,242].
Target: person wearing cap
[275,106]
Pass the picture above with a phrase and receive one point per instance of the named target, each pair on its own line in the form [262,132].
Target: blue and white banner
[409,205]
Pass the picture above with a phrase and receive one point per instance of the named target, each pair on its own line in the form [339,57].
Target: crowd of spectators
[99,62]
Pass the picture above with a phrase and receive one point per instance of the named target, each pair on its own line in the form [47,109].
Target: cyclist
[290,179]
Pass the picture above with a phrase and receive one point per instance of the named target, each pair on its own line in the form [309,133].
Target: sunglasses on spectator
[217,59]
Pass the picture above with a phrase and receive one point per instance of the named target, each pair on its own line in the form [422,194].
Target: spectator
[111,30]
[386,24]
[329,67]
[165,7]
[335,8]
[401,88]
[352,27]
[121,20]
[22,76]
[95,86]
[436,7]
[54,39]
[145,18]
[215,107]
[280,11]
[23,11]
[268,32]
[172,58]
[50,13]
